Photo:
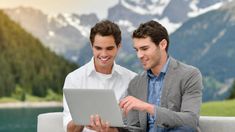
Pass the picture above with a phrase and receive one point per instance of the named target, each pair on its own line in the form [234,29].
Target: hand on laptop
[131,103]
[97,124]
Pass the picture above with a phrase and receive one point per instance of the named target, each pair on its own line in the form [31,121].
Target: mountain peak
[144,7]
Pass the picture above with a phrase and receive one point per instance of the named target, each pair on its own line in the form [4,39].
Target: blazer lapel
[168,79]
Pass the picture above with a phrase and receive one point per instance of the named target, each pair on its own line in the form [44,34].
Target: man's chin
[146,67]
[104,64]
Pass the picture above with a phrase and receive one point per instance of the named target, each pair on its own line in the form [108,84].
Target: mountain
[67,34]
[172,13]
[26,64]
[207,42]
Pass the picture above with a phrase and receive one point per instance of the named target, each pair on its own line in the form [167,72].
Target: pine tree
[232,95]
[25,63]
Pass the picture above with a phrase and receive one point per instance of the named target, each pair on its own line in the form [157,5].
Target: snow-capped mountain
[64,34]
[159,8]
[207,42]
[171,13]
[67,34]
[146,7]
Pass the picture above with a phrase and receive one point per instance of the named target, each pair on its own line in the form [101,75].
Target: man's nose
[139,54]
[104,53]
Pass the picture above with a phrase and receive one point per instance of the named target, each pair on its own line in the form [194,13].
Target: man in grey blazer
[167,95]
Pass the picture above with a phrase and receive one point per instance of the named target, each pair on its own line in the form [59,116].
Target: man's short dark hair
[106,28]
[154,30]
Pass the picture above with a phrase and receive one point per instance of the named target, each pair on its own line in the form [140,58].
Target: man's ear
[163,44]
[119,46]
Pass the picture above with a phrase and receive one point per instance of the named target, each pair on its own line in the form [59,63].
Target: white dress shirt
[86,77]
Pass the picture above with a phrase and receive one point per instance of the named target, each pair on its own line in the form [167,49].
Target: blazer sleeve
[132,118]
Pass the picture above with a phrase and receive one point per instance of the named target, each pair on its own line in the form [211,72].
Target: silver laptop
[83,103]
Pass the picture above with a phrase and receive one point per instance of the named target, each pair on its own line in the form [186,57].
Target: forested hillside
[26,65]
[207,42]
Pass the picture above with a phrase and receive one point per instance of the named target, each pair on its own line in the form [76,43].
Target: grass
[218,108]
[29,98]
[34,98]
[8,100]
[51,96]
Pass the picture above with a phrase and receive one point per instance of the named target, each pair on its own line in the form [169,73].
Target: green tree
[26,65]
[19,93]
[232,95]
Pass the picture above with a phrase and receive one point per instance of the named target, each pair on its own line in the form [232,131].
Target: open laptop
[85,102]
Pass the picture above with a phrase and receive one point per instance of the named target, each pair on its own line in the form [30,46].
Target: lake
[22,119]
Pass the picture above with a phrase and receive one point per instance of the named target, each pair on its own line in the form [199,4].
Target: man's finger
[106,126]
[92,123]
[124,100]
[98,121]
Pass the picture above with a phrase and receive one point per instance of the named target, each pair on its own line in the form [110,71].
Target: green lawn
[51,96]
[218,108]
[8,100]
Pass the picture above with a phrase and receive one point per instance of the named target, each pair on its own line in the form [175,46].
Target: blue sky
[64,6]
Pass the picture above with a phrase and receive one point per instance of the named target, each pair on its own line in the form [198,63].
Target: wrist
[72,127]
[113,129]
[149,108]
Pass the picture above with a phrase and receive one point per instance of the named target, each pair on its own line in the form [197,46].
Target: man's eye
[145,48]
[97,48]
[110,48]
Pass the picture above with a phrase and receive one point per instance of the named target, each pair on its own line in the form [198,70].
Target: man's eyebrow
[104,47]
[110,47]
[145,46]
[97,47]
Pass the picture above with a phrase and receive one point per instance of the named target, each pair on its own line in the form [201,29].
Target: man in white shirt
[101,72]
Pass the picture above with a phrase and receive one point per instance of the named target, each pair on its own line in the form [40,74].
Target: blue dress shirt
[155,85]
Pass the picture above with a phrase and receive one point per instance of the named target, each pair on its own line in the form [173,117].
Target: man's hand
[132,103]
[98,125]
[72,127]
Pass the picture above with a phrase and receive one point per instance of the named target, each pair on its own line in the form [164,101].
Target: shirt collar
[163,70]
[91,68]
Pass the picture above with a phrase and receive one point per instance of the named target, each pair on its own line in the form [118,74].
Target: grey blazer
[180,100]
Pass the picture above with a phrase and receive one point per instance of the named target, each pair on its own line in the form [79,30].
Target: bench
[53,122]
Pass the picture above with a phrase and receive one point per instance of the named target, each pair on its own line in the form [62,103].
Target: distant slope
[26,64]
[208,42]
[65,34]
